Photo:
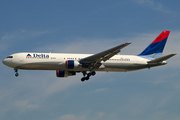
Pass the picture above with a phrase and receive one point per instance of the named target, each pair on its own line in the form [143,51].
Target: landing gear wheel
[93,73]
[16,70]
[87,78]
[83,79]
[89,74]
[16,74]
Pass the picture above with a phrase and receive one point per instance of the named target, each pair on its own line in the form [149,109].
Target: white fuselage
[56,61]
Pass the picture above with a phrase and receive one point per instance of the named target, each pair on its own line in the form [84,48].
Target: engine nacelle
[71,64]
[62,73]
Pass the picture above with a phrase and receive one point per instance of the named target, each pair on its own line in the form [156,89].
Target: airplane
[108,60]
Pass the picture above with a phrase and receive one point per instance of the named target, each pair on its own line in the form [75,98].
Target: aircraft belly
[121,67]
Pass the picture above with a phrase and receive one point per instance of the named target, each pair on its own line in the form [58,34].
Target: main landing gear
[88,75]
[16,70]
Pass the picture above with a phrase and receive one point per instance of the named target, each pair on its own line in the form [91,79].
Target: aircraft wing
[95,60]
[161,58]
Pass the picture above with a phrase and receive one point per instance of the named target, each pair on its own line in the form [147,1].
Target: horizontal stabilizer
[161,58]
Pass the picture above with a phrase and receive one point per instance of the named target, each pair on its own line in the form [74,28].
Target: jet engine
[62,73]
[71,64]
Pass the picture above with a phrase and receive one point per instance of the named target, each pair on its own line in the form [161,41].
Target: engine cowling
[71,64]
[62,73]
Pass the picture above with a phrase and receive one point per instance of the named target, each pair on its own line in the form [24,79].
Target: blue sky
[89,27]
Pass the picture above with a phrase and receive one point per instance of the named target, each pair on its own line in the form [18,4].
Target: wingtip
[174,54]
[128,43]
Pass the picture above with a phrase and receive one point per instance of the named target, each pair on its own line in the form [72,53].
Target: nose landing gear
[16,70]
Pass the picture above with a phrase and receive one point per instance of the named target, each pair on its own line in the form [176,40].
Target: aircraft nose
[4,62]
[8,62]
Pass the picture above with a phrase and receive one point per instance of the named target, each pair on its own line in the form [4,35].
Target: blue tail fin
[155,49]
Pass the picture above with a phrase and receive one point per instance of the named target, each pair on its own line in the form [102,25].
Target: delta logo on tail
[156,48]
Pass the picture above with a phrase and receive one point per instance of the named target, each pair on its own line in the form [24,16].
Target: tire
[16,74]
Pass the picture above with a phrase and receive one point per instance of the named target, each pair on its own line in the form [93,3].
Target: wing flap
[161,58]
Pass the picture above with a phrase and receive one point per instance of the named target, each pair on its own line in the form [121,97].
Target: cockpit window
[10,57]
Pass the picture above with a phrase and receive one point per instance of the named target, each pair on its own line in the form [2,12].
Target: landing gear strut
[16,70]
[92,73]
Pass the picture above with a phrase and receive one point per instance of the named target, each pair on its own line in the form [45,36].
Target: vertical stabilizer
[156,48]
